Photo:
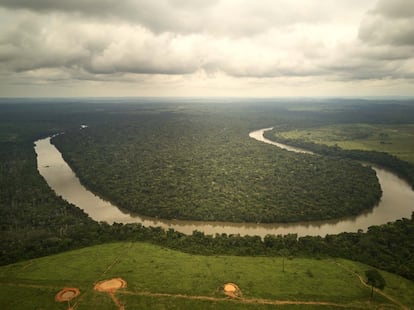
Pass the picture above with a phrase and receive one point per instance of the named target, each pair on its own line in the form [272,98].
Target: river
[396,202]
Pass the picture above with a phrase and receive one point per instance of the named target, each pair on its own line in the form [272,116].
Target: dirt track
[361,279]
[225,299]
[239,300]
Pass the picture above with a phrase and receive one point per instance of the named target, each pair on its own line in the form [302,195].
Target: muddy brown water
[397,202]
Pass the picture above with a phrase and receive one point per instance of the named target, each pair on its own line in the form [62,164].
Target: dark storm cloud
[390,23]
[226,18]
[103,7]
[176,16]
[386,44]
[159,16]
[395,8]
[362,62]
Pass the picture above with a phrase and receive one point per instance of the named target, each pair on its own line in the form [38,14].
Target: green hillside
[159,278]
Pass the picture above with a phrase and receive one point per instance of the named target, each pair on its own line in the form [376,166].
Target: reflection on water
[396,202]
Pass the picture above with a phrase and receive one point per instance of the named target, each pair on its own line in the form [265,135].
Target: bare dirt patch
[67,294]
[232,290]
[110,285]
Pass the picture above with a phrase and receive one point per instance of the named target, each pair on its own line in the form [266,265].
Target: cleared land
[397,140]
[160,278]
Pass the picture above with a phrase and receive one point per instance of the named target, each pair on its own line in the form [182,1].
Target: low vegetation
[389,146]
[396,139]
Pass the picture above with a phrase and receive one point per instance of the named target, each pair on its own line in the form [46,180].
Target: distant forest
[34,222]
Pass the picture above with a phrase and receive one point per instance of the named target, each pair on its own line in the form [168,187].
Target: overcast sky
[206,48]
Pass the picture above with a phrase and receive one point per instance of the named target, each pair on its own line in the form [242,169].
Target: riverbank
[395,203]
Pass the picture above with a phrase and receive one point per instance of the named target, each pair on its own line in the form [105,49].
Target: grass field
[160,278]
[397,140]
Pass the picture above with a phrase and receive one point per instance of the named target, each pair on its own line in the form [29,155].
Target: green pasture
[150,269]
[397,140]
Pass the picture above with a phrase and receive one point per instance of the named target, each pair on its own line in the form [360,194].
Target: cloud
[99,48]
[162,42]
[358,61]
[158,16]
[389,23]
[383,49]
[96,47]
[225,17]
[395,8]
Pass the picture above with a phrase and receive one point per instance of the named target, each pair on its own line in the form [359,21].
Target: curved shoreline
[65,183]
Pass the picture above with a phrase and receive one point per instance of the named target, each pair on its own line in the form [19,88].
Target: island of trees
[205,167]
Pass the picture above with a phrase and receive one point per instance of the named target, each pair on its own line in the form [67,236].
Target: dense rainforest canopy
[205,167]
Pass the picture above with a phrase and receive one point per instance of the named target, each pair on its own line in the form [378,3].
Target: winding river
[397,202]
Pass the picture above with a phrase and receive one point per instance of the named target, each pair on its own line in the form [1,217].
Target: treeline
[389,247]
[402,168]
[205,167]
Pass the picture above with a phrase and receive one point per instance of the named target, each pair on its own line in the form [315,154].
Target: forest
[205,167]
[35,222]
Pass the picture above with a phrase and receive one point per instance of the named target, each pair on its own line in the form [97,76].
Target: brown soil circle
[67,294]
[110,285]
[232,290]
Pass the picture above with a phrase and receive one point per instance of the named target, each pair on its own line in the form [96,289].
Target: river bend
[396,202]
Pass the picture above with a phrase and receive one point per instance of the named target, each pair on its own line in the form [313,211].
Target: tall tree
[375,279]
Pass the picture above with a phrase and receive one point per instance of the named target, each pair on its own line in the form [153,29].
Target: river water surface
[397,202]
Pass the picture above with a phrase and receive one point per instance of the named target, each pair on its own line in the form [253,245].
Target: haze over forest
[206,48]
